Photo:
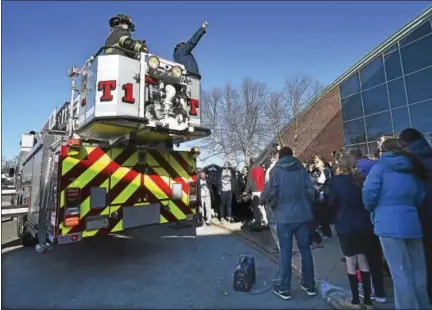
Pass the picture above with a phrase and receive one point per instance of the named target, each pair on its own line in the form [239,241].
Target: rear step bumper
[14,210]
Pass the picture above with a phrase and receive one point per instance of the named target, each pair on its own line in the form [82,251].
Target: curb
[335,296]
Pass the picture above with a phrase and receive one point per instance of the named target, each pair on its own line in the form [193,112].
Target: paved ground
[148,268]
[327,260]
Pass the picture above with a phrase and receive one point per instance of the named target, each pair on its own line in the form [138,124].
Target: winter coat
[291,192]
[255,180]
[234,182]
[345,202]
[183,54]
[120,37]
[392,195]
[364,165]
[423,150]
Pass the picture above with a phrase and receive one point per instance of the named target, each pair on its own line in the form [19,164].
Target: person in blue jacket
[353,226]
[364,164]
[183,51]
[290,194]
[392,193]
[415,142]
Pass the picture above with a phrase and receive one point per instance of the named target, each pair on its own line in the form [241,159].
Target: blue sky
[262,40]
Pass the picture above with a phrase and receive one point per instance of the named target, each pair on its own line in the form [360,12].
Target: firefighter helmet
[122,19]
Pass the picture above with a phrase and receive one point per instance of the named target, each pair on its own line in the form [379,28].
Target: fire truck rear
[105,161]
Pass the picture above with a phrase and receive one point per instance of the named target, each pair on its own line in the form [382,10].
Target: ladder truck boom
[105,162]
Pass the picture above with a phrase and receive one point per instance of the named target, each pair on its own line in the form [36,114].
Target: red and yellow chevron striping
[127,181]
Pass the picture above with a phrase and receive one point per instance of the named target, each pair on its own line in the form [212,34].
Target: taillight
[72,206]
[192,191]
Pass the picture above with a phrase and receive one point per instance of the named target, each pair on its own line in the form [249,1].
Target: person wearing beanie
[414,142]
[290,196]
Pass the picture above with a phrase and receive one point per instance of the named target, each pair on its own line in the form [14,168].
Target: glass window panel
[421,116]
[417,55]
[400,120]
[378,125]
[372,146]
[350,86]
[393,66]
[397,93]
[351,107]
[375,100]
[419,85]
[372,74]
[362,147]
[391,48]
[418,33]
[354,131]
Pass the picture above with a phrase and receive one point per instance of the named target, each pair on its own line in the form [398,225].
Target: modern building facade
[388,90]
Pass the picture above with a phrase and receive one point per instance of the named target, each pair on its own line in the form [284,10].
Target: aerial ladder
[105,161]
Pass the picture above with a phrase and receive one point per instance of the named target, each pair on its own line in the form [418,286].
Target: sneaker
[309,290]
[208,223]
[373,297]
[379,299]
[222,221]
[282,294]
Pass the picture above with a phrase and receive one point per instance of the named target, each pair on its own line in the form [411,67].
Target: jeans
[427,245]
[285,234]
[226,199]
[273,230]
[205,208]
[406,260]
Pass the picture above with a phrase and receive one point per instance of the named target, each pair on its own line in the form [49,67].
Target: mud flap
[141,216]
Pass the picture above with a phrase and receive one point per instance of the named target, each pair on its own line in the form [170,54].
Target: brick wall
[319,129]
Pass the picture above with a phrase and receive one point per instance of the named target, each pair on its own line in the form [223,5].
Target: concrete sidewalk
[330,271]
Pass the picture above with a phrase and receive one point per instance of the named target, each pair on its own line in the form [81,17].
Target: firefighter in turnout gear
[120,35]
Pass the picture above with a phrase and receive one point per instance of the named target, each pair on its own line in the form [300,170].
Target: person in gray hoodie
[290,196]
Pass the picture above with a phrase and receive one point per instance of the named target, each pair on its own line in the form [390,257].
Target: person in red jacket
[255,185]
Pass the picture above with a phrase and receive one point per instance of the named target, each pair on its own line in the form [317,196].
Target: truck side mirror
[11,172]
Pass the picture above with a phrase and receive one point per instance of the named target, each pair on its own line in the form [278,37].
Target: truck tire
[25,236]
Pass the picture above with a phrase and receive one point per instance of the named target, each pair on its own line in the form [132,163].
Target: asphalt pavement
[155,267]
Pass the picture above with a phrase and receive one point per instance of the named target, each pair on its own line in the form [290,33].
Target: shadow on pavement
[329,266]
[153,267]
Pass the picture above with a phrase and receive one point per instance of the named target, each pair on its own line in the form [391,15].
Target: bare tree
[7,164]
[236,118]
[246,119]
[298,91]
[277,116]
[214,117]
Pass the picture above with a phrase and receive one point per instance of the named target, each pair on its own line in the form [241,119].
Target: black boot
[354,289]
[367,290]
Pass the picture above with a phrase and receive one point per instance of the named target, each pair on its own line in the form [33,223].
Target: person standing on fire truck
[120,35]
[183,51]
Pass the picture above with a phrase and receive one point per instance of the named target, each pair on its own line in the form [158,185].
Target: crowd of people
[379,208]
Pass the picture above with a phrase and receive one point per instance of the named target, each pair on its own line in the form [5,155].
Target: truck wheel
[26,238]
